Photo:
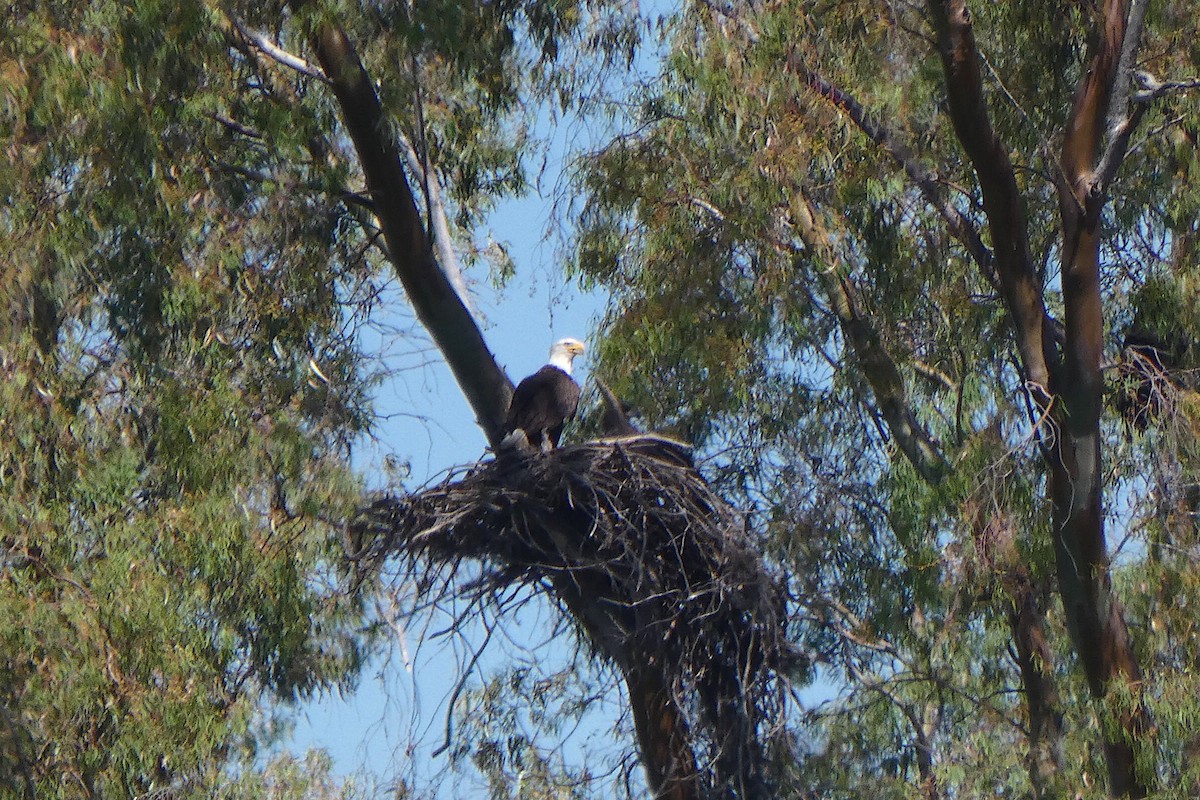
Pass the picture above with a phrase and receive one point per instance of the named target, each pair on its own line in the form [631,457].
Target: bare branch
[439,223]
[1151,88]
[1118,147]
[458,688]
[234,126]
[935,375]
[274,51]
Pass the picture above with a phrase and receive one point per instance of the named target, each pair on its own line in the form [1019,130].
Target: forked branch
[433,297]
[1002,201]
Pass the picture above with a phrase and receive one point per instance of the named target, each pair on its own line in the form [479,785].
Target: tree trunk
[1095,617]
[1067,389]
[669,763]
[1027,621]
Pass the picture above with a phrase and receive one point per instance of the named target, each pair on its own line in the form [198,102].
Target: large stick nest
[659,571]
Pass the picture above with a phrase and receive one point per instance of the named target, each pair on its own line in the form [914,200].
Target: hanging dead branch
[660,572]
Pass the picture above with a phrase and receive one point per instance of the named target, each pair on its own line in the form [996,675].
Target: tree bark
[658,723]
[435,301]
[669,763]
[1095,617]
[1067,389]
[1002,201]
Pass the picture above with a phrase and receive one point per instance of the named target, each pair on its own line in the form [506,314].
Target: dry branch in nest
[655,567]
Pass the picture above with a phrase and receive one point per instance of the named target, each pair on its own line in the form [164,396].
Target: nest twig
[659,571]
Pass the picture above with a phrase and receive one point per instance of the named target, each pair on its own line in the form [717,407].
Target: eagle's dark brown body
[542,405]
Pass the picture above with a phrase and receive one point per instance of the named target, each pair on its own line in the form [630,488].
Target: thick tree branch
[668,760]
[997,548]
[1118,146]
[658,722]
[1131,41]
[887,384]
[434,299]
[1002,201]
[425,278]
[1081,386]
[1027,622]
[1094,616]
[878,367]
[1122,123]
[447,258]
[360,206]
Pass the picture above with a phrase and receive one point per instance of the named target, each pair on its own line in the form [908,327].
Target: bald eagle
[546,400]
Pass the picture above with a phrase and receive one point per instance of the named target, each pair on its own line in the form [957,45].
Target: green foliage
[173,473]
[722,326]
[186,266]
[511,730]
[286,777]
[187,262]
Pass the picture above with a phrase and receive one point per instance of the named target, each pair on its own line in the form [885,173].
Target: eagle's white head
[563,353]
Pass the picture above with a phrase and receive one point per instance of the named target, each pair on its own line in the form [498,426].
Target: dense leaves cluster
[790,287]
[172,466]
